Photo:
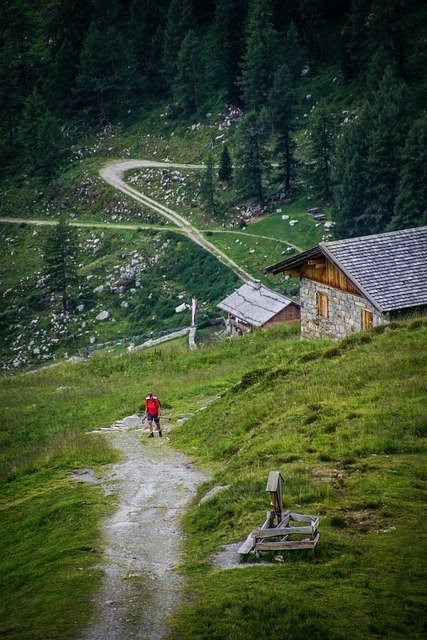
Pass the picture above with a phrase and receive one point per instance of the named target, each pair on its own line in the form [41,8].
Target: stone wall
[344,312]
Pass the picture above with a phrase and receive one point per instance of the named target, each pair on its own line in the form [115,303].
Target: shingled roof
[255,304]
[389,269]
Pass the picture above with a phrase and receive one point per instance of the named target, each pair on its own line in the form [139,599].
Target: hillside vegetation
[343,422]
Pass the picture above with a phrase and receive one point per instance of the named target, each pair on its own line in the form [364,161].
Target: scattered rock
[104,315]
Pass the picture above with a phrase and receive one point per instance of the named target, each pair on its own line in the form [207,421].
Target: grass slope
[344,424]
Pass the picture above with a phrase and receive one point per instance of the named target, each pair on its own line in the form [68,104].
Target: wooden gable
[323,271]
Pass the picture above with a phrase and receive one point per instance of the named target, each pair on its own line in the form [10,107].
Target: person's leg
[150,427]
[158,427]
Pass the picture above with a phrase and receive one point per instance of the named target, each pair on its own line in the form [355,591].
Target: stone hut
[351,285]
[253,306]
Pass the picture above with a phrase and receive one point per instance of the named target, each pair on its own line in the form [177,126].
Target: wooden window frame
[322,302]
[367,319]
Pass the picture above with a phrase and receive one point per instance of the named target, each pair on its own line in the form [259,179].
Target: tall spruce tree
[106,75]
[281,105]
[294,54]
[186,85]
[40,137]
[60,255]
[226,47]
[225,172]
[389,112]
[410,207]
[251,156]
[261,57]
[180,20]
[208,189]
[349,179]
[322,141]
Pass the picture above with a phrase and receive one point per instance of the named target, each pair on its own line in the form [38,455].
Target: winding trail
[113,174]
[153,484]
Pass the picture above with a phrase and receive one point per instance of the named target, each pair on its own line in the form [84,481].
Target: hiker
[152,411]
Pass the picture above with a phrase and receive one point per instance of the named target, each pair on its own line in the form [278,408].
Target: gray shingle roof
[254,303]
[389,269]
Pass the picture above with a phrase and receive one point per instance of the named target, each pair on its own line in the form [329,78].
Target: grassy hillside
[343,422]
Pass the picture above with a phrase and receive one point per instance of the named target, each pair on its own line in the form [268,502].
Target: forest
[71,67]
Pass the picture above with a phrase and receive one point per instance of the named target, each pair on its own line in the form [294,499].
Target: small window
[322,304]
[367,319]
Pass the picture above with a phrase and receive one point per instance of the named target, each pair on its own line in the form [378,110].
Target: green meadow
[343,422]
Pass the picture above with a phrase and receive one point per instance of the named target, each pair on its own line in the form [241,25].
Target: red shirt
[152,405]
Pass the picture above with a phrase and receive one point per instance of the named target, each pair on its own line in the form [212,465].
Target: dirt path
[113,174]
[153,485]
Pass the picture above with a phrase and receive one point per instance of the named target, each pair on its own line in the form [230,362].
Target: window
[367,319]
[322,304]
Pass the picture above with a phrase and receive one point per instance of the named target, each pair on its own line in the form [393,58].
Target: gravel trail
[153,485]
[113,174]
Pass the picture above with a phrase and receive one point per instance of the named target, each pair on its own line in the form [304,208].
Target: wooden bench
[281,531]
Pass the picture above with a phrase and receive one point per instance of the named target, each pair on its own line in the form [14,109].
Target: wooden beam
[319,263]
[276,532]
[293,273]
[308,543]
[249,543]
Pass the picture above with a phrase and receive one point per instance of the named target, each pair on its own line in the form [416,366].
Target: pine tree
[207,189]
[147,18]
[355,53]
[106,75]
[410,208]
[261,56]
[180,20]
[293,53]
[321,149]
[225,172]
[389,113]
[40,137]
[186,83]
[251,156]
[310,14]
[226,47]
[349,179]
[61,251]
[281,109]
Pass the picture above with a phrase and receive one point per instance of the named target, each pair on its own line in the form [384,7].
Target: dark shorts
[153,416]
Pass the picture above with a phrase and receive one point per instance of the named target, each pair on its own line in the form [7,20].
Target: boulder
[104,315]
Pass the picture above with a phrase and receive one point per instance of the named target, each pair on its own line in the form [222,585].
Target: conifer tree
[349,179]
[261,56]
[60,253]
[106,74]
[225,173]
[207,188]
[410,208]
[226,48]
[186,83]
[40,137]
[389,113]
[180,20]
[355,52]
[281,110]
[321,148]
[251,156]
[293,52]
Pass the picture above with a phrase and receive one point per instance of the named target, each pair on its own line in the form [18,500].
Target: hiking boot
[160,434]
[151,435]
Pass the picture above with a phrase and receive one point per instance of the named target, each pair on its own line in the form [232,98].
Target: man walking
[152,410]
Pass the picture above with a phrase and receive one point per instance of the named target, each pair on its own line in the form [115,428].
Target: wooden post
[275,484]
